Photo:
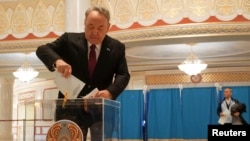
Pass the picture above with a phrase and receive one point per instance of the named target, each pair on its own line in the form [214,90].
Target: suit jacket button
[89,86]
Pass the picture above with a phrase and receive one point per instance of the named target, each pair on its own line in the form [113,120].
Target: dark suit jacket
[72,48]
[219,110]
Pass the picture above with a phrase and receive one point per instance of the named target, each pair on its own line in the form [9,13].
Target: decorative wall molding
[40,17]
[147,34]
[24,46]
[132,21]
[213,77]
[183,31]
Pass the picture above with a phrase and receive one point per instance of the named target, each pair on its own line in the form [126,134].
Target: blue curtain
[199,110]
[131,112]
[164,114]
[174,114]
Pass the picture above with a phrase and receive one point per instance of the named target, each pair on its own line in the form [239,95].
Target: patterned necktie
[92,60]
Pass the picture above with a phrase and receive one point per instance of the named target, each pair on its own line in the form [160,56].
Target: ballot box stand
[40,117]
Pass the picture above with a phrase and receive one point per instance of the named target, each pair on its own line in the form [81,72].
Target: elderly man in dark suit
[70,55]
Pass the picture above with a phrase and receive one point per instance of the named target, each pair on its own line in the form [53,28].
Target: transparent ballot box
[93,119]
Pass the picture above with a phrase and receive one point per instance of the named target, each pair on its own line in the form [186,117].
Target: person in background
[236,111]
[224,107]
[69,55]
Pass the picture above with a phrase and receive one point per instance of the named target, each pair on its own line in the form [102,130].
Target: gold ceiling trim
[183,31]
[146,34]
[162,79]
[22,45]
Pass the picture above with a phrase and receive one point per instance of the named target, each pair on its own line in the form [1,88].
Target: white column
[75,14]
[6,98]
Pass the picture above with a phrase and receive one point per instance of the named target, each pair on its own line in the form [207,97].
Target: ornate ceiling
[158,34]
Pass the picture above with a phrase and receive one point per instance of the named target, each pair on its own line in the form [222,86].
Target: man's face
[227,93]
[96,27]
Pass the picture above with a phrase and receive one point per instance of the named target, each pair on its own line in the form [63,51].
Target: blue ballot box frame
[41,115]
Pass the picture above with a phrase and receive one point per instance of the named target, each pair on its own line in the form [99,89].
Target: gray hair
[103,11]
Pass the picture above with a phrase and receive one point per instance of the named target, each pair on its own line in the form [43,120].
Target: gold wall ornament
[41,18]
[246,9]
[4,21]
[226,8]
[199,10]
[172,11]
[196,78]
[124,13]
[58,17]
[147,10]
[20,22]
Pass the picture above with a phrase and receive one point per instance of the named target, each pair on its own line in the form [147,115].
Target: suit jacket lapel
[83,52]
[104,53]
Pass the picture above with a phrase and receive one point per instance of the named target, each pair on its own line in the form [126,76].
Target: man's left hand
[104,94]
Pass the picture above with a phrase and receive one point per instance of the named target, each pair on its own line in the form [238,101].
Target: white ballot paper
[92,94]
[224,118]
[70,85]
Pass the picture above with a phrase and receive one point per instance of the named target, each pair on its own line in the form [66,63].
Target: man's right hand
[63,67]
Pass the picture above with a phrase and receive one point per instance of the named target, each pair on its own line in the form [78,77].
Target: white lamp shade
[25,73]
[192,65]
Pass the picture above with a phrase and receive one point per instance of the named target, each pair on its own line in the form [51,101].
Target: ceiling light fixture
[192,65]
[25,72]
